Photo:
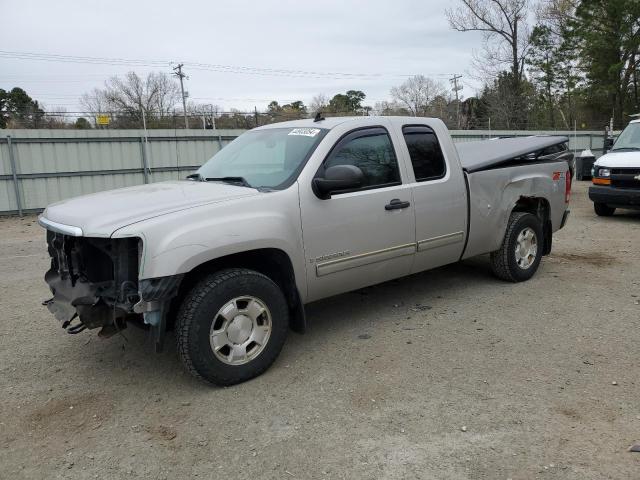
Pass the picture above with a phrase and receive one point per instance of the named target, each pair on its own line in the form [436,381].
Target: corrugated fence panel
[7,188]
[5,165]
[161,176]
[37,192]
[76,156]
[53,165]
[7,197]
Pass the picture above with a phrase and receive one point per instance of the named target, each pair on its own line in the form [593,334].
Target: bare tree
[504,24]
[194,108]
[94,102]
[318,103]
[203,112]
[154,96]
[417,93]
[386,108]
[556,14]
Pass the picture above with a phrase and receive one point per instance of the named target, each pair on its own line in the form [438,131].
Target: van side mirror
[336,178]
[608,143]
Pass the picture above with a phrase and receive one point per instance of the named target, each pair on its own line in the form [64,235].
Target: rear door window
[425,153]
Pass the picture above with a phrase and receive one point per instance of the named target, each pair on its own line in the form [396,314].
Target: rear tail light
[567,186]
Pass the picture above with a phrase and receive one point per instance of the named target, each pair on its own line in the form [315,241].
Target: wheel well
[541,209]
[271,262]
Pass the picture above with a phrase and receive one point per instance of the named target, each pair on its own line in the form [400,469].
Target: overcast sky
[382,39]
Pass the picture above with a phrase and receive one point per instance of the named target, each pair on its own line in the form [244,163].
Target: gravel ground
[446,374]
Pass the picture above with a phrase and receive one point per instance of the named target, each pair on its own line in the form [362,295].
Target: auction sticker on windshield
[305,132]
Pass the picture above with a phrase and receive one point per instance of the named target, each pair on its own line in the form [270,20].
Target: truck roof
[329,123]
[474,156]
[332,122]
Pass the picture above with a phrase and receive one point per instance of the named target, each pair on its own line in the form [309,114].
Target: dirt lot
[545,376]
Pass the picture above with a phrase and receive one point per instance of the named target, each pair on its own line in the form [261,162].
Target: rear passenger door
[439,195]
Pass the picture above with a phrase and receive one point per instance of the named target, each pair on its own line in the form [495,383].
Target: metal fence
[38,167]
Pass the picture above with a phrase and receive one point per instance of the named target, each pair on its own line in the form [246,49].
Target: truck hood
[620,159]
[101,214]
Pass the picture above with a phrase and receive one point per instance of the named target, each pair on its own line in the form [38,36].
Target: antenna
[319,117]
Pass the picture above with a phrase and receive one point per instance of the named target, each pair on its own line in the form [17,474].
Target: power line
[178,71]
[79,59]
[238,69]
[64,76]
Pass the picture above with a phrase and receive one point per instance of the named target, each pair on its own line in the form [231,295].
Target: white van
[616,175]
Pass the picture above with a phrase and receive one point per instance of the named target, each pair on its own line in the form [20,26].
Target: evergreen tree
[19,110]
[607,35]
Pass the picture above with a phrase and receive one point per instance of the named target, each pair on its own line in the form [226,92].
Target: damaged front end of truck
[95,284]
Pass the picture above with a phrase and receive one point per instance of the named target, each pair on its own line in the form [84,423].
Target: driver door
[365,236]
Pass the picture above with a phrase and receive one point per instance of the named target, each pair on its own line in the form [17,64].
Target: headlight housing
[603,172]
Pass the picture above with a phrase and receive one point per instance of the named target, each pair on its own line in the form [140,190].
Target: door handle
[396,204]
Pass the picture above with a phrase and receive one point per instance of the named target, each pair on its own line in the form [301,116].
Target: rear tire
[603,210]
[519,255]
[231,326]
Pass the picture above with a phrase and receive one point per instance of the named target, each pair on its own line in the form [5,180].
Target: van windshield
[270,158]
[629,139]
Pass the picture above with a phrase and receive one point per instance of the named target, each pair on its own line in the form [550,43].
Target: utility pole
[178,73]
[456,88]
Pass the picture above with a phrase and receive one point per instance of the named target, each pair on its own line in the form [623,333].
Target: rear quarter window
[425,153]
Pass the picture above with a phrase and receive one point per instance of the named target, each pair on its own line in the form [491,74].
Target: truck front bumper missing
[94,282]
[615,197]
[82,300]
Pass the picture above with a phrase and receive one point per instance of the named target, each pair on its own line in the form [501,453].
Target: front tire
[603,210]
[232,326]
[520,254]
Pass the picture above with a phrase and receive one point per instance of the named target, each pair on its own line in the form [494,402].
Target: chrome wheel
[526,248]
[240,330]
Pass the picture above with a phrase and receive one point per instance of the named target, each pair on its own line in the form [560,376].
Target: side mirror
[339,177]
[608,143]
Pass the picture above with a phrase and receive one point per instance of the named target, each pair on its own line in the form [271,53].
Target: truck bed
[494,153]
[493,192]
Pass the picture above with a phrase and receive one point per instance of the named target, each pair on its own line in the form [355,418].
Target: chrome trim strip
[59,227]
[440,241]
[340,264]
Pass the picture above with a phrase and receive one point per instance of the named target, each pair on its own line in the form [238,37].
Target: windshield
[270,158]
[629,139]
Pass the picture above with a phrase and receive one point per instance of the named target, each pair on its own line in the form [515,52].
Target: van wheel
[231,326]
[603,210]
[519,256]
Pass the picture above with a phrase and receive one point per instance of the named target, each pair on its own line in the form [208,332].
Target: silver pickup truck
[291,213]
